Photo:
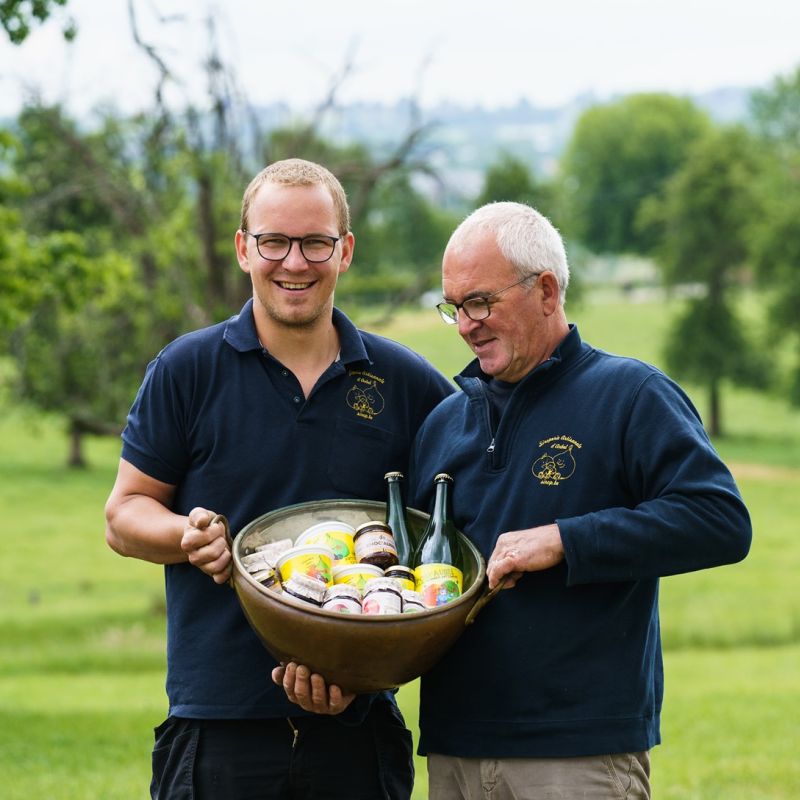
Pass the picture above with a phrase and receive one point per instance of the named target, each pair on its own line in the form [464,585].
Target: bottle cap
[442,476]
[398,475]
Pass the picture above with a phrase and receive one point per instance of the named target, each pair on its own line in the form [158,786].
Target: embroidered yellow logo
[556,461]
[364,396]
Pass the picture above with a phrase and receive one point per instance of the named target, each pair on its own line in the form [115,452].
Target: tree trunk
[715,412]
[78,428]
[75,460]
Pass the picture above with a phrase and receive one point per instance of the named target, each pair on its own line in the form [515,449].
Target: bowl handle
[487,595]
[225,524]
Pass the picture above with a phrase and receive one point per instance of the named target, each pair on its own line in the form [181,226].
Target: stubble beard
[301,320]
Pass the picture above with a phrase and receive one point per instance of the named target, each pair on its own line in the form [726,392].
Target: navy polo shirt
[227,424]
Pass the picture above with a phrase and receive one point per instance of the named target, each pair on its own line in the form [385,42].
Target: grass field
[82,630]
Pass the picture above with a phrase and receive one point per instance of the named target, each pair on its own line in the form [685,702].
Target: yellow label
[404,576]
[438,583]
[357,579]
[315,565]
[341,542]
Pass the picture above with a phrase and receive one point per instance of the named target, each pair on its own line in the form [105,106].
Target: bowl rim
[379,506]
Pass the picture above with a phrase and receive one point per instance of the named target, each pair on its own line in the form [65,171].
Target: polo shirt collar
[350,342]
[240,333]
[240,330]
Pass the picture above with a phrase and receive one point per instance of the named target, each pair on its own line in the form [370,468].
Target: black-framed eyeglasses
[315,248]
[476,308]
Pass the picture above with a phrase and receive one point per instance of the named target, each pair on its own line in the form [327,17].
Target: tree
[35,262]
[702,222]
[151,202]
[776,233]
[510,178]
[399,247]
[619,155]
[18,17]
[78,346]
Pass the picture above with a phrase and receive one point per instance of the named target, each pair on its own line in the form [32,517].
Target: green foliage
[120,238]
[37,270]
[399,244]
[775,243]
[776,113]
[124,241]
[619,155]
[18,18]
[708,344]
[510,179]
[703,218]
[84,361]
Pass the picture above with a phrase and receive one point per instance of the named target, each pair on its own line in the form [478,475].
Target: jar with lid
[343,598]
[375,545]
[382,596]
[403,574]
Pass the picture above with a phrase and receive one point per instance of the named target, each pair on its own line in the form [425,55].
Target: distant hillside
[463,141]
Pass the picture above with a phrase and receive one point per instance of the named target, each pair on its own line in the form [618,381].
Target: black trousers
[302,758]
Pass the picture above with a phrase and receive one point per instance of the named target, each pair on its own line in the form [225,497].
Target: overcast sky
[490,52]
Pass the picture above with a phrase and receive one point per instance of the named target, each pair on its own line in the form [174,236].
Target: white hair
[526,239]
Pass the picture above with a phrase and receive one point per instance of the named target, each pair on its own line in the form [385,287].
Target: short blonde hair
[298,172]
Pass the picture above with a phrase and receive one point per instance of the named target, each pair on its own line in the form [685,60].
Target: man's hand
[205,545]
[528,550]
[309,691]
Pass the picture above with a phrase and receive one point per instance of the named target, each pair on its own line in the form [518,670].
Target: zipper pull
[295,732]
[490,448]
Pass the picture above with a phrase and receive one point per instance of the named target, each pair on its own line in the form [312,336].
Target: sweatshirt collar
[567,349]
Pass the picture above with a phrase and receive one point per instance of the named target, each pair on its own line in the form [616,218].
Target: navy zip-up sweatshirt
[568,662]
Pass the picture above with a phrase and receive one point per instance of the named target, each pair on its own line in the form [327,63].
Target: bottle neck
[441,500]
[395,495]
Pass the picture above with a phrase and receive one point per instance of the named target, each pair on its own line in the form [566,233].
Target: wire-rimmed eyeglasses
[476,308]
[315,248]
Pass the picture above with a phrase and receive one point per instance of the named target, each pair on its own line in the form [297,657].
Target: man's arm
[141,524]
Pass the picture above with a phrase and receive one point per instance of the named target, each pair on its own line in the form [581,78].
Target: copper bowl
[357,653]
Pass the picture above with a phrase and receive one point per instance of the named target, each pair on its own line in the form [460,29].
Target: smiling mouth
[478,344]
[293,287]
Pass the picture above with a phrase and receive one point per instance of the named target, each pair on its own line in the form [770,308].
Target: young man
[246,416]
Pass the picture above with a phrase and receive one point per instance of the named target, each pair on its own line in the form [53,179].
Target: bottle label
[438,583]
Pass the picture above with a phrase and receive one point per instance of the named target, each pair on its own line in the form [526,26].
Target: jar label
[315,565]
[438,583]
[343,605]
[357,579]
[341,542]
[381,601]
[372,543]
[404,581]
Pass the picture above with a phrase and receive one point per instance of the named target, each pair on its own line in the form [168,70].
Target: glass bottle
[437,560]
[396,518]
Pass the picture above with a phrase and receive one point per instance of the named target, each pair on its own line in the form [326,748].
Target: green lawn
[82,630]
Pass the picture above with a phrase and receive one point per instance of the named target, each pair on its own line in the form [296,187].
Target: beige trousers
[623,776]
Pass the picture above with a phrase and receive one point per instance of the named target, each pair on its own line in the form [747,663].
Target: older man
[583,477]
